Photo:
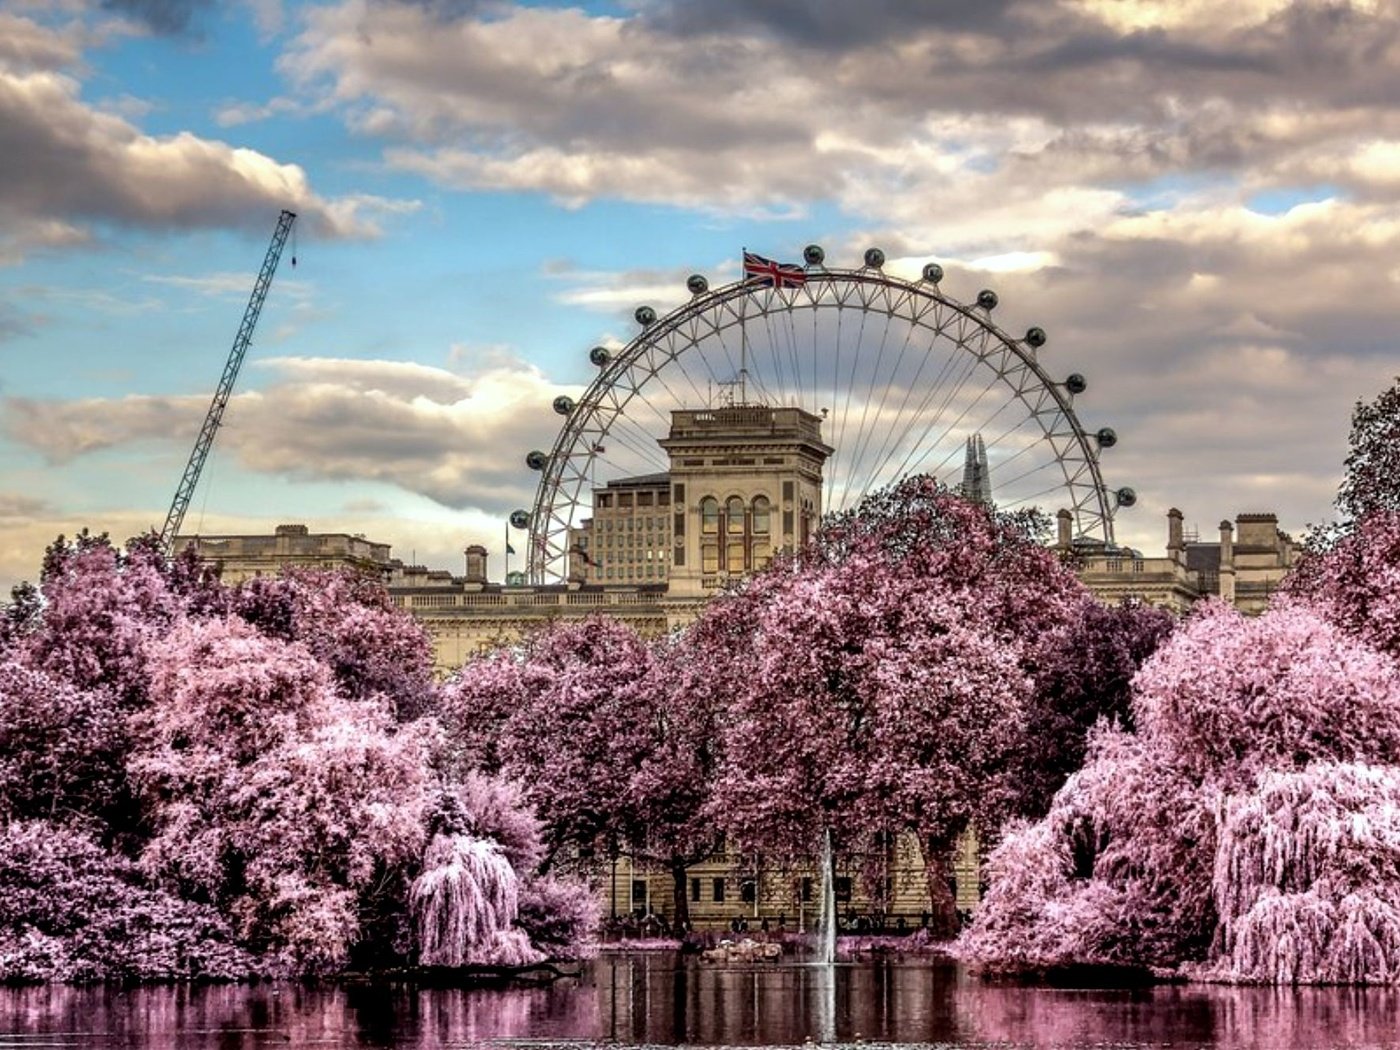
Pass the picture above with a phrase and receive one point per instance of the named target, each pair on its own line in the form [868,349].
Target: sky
[1198,200]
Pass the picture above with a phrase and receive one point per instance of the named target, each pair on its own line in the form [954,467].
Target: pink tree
[567,720]
[62,749]
[100,608]
[673,823]
[1235,835]
[348,622]
[269,794]
[875,681]
[1355,582]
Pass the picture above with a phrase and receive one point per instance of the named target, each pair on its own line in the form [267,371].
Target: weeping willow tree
[465,904]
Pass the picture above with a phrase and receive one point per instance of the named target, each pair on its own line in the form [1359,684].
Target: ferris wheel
[901,373]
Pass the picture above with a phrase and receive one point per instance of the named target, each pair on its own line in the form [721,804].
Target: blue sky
[1208,226]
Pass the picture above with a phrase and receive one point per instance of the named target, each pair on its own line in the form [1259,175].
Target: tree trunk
[943,908]
[680,899]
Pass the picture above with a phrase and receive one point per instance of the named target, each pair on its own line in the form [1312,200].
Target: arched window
[761,510]
[735,515]
[762,554]
[709,515]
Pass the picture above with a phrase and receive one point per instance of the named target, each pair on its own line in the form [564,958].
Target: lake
[663,999]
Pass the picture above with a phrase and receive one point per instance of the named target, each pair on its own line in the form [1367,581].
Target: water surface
[662,999]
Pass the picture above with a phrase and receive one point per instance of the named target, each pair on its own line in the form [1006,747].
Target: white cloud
[457,439]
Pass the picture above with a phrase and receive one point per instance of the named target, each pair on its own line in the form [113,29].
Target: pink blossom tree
[269,794]
[349,623]
[875,680]
[1242,833]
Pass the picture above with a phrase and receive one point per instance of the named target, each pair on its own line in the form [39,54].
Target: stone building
[289,546]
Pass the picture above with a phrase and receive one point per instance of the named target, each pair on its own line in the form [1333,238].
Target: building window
[709,515]
[843,888]
[748,891]
[807,890]
[735,513]
[695,889]
[709,558]
[761,508]
[735,559]
[719,891]
[762,555]
[639,893]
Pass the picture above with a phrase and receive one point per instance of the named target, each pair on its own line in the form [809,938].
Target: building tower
[977,476]
[746,481]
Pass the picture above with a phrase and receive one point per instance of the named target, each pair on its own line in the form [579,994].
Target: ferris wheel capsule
[1107,437]
[874,258]
[536,460]
[987,299]
[696,284]
[814,255]
[563,404]
[1035,337]
[520,519]
[933,273]
[645,316]
[1125,497]
[1076,383]
[600,355]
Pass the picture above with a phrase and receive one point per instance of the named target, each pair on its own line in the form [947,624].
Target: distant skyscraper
[977,476]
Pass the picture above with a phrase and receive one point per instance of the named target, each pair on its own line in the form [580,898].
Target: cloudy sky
[1198,199]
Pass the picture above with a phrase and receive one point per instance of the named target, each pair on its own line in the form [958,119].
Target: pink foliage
[1242,833]
[348,623]
[73,911]
[561,719]
[269,793]
[1356,582]
[1307,878]
[875,684]
[560,916]
[62,748]
[465,903]
[1232,695]
[100,610]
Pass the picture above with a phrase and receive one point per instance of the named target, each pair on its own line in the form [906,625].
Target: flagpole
[505,577]
[744,351]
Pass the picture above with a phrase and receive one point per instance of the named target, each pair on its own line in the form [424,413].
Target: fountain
[826,921]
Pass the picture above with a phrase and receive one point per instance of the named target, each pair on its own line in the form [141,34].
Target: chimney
[476,563]
[1176,546]
[1227,562]
[1065,522]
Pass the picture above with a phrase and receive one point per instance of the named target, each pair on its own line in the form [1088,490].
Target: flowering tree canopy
[1243,833]
[874,681]
[198,781]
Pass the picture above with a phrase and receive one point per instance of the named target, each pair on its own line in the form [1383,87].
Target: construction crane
[205,441]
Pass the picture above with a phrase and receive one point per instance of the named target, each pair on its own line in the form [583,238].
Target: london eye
[901,372]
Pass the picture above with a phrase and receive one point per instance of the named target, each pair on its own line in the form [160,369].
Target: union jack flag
[770,274]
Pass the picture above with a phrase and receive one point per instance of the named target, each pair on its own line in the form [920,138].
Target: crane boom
[215,415]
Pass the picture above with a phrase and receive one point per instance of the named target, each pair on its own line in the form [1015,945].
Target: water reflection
[659,999]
